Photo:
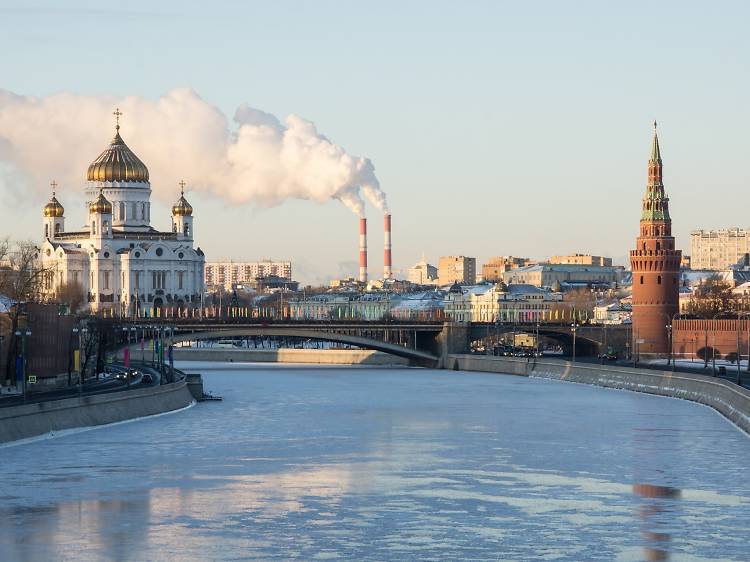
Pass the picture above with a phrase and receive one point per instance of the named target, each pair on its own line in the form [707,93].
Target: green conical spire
[655,152]
[655,202]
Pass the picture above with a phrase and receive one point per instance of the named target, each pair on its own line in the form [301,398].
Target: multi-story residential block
[719,249]
[581,259]
[494,269]
[423,273]
[457,269]
[229,274]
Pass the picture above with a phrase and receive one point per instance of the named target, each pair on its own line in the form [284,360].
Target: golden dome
[117,163]
[53,208]
[101,205]
[182,208]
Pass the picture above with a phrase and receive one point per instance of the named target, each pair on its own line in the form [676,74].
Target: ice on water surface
[386,464]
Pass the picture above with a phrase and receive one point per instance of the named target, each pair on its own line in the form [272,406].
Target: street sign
[32,379]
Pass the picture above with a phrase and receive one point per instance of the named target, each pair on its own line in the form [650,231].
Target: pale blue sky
[495,127]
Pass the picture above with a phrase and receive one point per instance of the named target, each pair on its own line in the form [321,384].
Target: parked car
[147,379]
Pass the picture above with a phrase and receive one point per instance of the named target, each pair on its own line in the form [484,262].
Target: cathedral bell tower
[54,219]
[100,217]
[655,264]
[182,216]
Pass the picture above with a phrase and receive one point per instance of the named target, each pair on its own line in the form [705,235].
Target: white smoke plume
[258,159]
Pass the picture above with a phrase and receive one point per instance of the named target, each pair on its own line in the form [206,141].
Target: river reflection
[657,505]
[386,465]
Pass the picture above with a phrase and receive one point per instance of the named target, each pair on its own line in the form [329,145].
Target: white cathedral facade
[123,266]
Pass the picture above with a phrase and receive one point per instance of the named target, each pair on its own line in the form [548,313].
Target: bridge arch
[585,344]
[415,356]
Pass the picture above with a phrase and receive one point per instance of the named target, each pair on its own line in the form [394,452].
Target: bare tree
[580,302]
[71,294]
[21,281]
[712,297]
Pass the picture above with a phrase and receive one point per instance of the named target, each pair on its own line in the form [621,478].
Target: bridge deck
[303,332]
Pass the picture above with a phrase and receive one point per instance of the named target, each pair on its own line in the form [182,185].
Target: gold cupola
[117,163]
[100,205]
[53,208]
[182,208]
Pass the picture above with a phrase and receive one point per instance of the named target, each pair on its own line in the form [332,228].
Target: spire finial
[655,151]
[182,185]
[53,184]
[117,114]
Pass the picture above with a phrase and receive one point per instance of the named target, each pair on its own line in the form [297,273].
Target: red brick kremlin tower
[656,266]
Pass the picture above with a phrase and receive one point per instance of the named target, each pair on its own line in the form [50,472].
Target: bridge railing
[358,312]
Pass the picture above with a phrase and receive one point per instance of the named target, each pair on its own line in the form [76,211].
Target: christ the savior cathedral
[123,266]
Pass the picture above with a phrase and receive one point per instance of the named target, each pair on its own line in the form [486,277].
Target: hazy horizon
[494,128]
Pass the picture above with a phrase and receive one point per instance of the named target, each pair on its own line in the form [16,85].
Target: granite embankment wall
[317,356]
[728,399]
[32,420]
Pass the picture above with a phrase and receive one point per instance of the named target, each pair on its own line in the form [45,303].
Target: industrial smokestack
[363,250]
[387,271]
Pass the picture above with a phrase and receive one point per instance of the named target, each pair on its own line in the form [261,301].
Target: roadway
[109,383]
[730,374]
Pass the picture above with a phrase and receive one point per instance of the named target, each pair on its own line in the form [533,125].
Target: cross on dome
[117,114]
[53,184]
[182,207]
[117,163]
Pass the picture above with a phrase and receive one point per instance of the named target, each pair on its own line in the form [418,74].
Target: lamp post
[741,315]
[134,332]
[713,345]
[73,332]
[670,358]
[573,328]
[23,334]
[81,333]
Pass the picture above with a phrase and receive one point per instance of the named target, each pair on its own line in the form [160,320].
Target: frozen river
[374,464]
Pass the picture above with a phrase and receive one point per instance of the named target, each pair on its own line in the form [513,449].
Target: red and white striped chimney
[363,250]
[387,271]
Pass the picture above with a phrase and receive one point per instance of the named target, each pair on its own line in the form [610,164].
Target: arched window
[93,227]
[658,280]
[658,246]
[187,229]
[641,279]
[46,231]
[57,228]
